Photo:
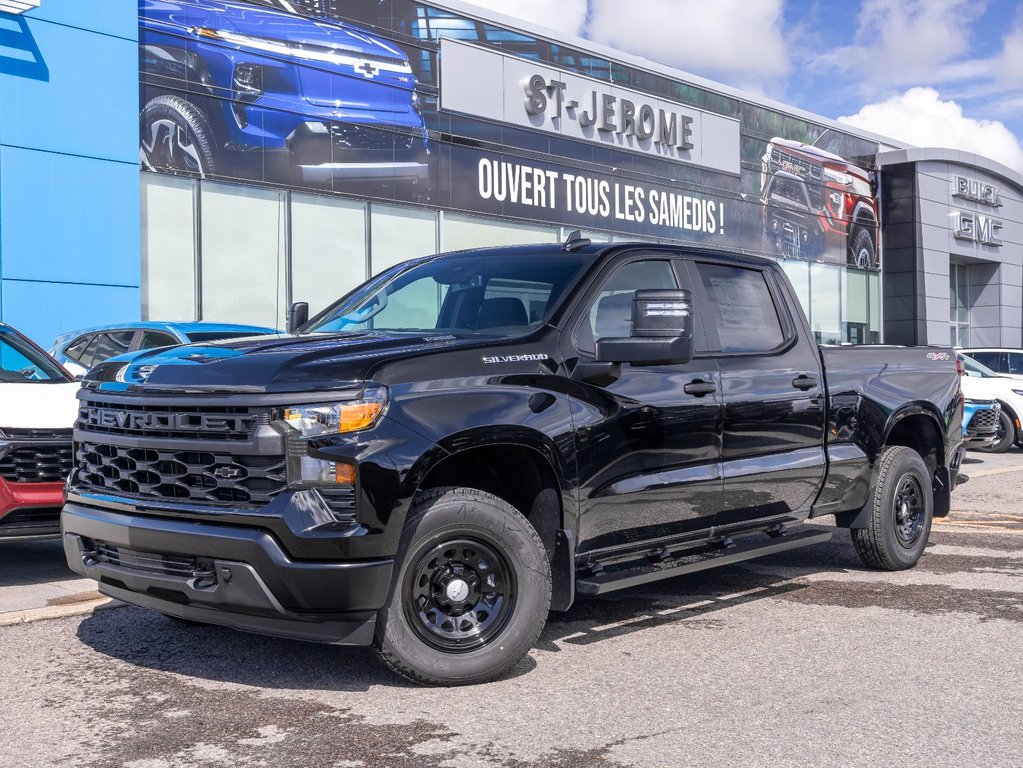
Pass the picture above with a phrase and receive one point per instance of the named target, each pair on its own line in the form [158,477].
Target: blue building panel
[69,187]
[42,311]
[66,90]
[68,218]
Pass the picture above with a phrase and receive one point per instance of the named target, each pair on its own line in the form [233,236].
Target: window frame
[790,334]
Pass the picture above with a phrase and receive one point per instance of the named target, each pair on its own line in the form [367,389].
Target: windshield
[973,368]
[20,362]
[489,294]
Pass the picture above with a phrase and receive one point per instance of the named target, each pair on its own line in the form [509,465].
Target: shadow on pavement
[149,640]
[32,561]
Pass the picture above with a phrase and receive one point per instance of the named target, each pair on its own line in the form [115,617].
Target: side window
[107,345]
[610,313]
[741,308]
[152,339]
[1015,362]
[990,359]
[75,349]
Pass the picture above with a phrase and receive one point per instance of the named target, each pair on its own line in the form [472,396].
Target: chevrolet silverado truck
[470,440]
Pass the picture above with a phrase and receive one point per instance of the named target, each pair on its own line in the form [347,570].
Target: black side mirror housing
[662,331]
[298,315]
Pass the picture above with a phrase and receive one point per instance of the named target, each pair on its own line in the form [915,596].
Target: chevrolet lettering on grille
[135,421]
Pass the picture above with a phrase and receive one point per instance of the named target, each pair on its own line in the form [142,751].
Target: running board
[687,561]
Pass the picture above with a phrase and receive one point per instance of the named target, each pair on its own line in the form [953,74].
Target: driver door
[648,436]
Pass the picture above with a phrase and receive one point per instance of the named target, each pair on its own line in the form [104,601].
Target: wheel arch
[919,428]
[518,467]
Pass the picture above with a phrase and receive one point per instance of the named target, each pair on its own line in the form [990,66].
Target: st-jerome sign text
[503,88]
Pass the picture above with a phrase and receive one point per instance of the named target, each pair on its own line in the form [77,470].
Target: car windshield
[973,368]
[488,294]
[20,362]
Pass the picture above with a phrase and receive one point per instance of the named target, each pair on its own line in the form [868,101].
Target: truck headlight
[337,418]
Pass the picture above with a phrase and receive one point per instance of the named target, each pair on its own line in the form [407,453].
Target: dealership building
[219,159]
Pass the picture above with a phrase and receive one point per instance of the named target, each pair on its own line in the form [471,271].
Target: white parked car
[38,409]
[980,382]
[1002,361]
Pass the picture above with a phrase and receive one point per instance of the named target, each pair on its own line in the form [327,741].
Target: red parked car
[37,411]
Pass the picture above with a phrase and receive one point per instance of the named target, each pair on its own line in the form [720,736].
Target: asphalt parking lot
[802,659]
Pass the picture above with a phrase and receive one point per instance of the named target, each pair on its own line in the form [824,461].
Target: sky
[936,73]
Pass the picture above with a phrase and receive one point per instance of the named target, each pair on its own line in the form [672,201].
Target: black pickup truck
[470,440]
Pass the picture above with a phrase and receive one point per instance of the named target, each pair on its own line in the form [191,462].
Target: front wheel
[1006,435]
[902,507]
[472,592]
[176,138]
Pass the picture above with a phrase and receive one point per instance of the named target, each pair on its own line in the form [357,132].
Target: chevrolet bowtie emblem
[367,69]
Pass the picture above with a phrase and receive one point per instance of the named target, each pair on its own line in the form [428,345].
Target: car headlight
[290,49]
[337,418]
[838,177]
[1018,392]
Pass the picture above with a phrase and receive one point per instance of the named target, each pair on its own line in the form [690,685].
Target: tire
[441,626]
[862,250]
[903,489]
[1006,435]
[175,137]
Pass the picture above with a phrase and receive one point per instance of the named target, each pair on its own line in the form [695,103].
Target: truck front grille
[170,422]
[985,420]
[48,461]
[202,476]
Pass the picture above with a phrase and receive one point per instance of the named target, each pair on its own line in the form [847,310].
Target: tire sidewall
[908,463]
[190,117]
[476,516]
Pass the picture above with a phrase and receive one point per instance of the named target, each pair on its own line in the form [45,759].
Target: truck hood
[267,364]
[38,405]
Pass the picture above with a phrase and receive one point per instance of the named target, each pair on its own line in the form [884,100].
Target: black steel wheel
[460,595]
[1006,435]
[471,592]
[901,510]
[907,511]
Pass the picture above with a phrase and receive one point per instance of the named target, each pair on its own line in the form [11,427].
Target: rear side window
[152,339]
[106,345]
[741,308]
[990,359]
[77,347]
[1015,362]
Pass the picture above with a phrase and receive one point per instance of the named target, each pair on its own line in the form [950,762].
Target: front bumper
[232,576]
[30,509]
[324,152]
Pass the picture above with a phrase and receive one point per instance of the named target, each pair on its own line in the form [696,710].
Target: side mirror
[662,331]
[298,315]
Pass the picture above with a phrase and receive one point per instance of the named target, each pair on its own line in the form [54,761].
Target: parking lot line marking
[995,471]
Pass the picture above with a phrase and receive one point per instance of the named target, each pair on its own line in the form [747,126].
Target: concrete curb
[77,608]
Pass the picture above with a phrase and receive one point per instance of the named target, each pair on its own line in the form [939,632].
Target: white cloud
[568,16]
[921,118]
[732,40]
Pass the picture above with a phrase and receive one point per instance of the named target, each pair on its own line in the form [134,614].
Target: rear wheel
[1006,435]
[902,507]
[472,592]
[862,249]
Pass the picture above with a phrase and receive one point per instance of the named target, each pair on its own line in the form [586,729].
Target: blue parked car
[259,90]
[980,422]
[79,351]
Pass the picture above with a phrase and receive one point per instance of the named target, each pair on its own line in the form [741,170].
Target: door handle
[699,388]
[802,381]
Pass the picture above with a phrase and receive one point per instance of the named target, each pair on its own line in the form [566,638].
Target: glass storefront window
[168,247]
[459,232]
[825,303]
[959,305]
[328,248]
[243,264]
[798,273]
[855,307]
[399,234]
